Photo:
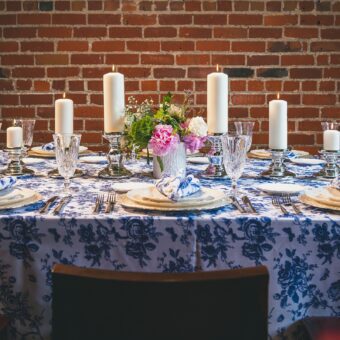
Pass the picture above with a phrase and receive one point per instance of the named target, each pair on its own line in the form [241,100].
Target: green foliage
[141,131]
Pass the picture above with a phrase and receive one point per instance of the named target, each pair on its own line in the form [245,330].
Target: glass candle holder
[277,168]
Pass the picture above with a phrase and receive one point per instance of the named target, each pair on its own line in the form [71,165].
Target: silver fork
[287,199]
[111,201]
[99,202]
[276,202]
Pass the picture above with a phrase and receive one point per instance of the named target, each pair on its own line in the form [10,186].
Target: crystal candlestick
[115,168]
[330,169]
[277,167]
[216,168]
[15,166]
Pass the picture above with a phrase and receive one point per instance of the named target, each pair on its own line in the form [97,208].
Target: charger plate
[309,201]
[33,199]
[265,154]
[16,195]
[40,151]
[127,203]
[328,198]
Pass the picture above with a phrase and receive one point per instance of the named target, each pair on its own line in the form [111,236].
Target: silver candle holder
[331,168]
[216,168]
[115,168]
[15,166]
[277,168]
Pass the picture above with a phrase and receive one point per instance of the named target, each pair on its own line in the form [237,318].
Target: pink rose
[163,140]
[193,142]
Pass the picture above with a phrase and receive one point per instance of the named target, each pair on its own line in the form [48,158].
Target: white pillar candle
[331,140]
[14,137]
[64,115]
[278,124]
[114,102]
[217,102]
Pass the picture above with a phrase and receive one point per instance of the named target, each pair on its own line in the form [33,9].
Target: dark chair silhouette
[3,327]
[99,304]
[320,328]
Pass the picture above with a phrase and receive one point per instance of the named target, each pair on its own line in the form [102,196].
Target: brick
[176,5]
[85,59]
[325,46]
[94,125]
[240,6]
[247,99]
[10,112]
[155,32]
[125,59]
[335,59]
[273,85]
[30,6]
[45,6]
[68,19]
[41,86]
[139,20]
[238,85]
[184,85]
[255,85]
[212,19]
[111,5]
[6,85]
[306,6]
[193,59]
[239,72]
[149,85]
[209,6]
[17,59]
[256,6]
[244,19]
[178,45]
[192,6]
[281,46]
[129,6]
[228,59]
[248,46]
[169,73]
[280,20]
[326,86]
[157,59]
[255,32]
[62,72]
[209,45]
[330,33]
[173,19]
[290,6]
[136,72]
[104,19]
[297,60]
[272,73]
[94,5]
[51,59]
[309,85]
[330,112]
[62,5]
[72,45]
[33,99]
[146,46]
[76,85]
[332,72]
[8,19]
[90,32]
[319,99]
[28,72]
[224,5]
[34,19]
[314,20]
[262,60]
[322,59]
[37,46]
[8,46]
[230,32]
[54,32]
[303,112]
[193,32]
[108,46]
[301,139]
[126,32]
[199,72]
[301,32]
[18,32]
[273,6]
[13,6]
[323,6]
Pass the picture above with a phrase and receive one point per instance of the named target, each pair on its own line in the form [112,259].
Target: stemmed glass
[245,128]
[27,130]
[66,152]
[234,148]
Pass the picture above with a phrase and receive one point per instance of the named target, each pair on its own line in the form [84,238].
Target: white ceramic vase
[174,163]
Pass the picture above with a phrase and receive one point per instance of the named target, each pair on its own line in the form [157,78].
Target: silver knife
[236,203]
[247,202]
[47,204]
[61,204]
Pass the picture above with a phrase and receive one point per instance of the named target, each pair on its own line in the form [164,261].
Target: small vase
[174,163]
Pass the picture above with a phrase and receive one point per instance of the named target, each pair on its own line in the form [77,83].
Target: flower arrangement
[163,128]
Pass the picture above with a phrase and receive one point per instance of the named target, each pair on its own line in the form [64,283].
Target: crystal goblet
[66,152]
[27,129]
[245,128]
[234,148]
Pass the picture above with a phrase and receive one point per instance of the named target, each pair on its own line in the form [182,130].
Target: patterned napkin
[7,182]
[177,187]
[48,147]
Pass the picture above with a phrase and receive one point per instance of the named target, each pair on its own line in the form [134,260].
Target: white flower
[175,110]
[198,126]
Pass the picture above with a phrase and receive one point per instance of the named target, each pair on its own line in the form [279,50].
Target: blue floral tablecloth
[302,252]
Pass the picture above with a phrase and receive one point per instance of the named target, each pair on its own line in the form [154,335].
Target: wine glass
[66,152]
[245,128]
[27,126]
[234,148]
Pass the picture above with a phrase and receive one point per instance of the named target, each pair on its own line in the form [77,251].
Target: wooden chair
[100,304]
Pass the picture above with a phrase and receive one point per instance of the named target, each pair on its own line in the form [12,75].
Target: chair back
[100,304]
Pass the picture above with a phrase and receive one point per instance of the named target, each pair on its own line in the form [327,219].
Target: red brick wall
[291,47]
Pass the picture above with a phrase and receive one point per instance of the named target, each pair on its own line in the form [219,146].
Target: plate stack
[37,151]
[152,199]
[265,154]
[327,198]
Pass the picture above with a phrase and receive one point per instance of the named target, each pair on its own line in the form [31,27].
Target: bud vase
[174,163]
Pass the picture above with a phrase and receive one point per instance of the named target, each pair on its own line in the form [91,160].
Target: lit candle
[278,124]
[114,101]
[217,102]
[64,115]
[14,137]
[331,140]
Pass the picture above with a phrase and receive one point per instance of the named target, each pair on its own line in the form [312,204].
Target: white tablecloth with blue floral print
[301,252]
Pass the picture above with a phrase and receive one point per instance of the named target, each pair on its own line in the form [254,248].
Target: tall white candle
[278,124]
[331,140]
[14,137]
[114,102]
[64,115]
[217,102]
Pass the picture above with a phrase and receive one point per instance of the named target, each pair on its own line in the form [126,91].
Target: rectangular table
[302,252]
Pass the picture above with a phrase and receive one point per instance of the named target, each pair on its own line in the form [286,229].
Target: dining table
[301,251]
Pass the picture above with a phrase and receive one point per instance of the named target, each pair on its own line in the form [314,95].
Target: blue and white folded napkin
[177,187]
[291,154]
[48,147]
[7,182]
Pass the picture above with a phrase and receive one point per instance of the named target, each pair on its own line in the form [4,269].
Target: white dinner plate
[32,161]
[307,161]
[39,150]
[13,205]
[281,188]
[15,196]
[322,198]
[93,159]
[125,187]
[198,160]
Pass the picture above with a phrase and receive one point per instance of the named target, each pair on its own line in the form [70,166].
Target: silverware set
[110,201]
[247,206]
[283,201]
[58,207]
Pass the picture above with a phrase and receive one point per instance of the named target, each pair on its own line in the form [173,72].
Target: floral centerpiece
[162,129]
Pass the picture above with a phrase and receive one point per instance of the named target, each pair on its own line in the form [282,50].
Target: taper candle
[63,115]
[278,124]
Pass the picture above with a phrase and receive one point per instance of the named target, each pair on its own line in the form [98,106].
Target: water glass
[234,148]
[66,153]
[245,128]
[27,130]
